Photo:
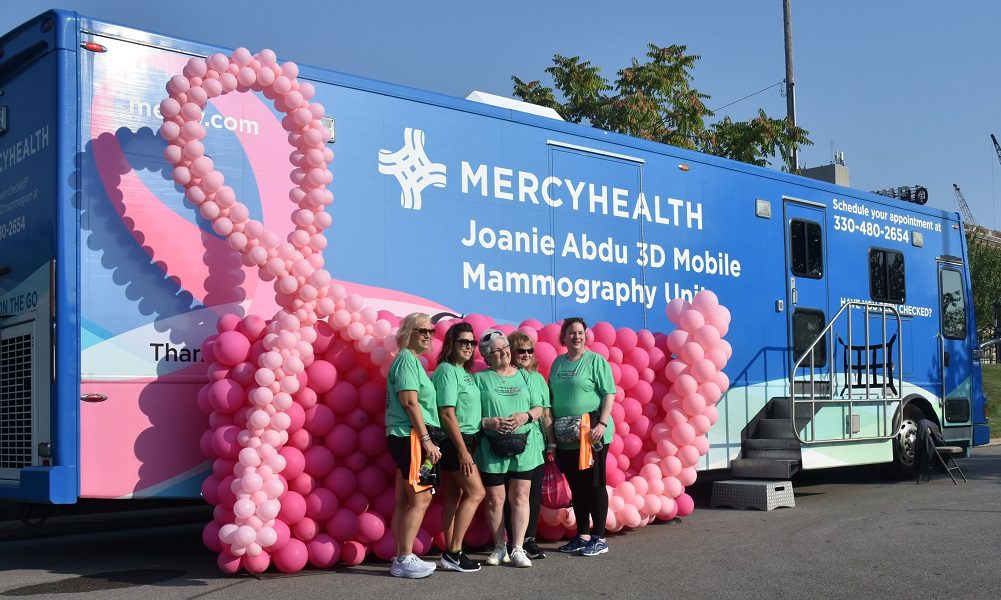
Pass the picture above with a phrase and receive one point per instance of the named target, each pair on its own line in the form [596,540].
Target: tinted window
[886,276]
[806,327]
[807,249]
[953,305]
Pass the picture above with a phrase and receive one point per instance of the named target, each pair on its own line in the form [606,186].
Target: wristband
[426,437]
[530,418]
[550,445]
[603,424]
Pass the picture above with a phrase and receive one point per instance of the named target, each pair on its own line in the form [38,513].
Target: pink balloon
[342,440]
[705,301]
[323,551]
[231,347]
[321,376]
[352,553]
[228,563]
[691,321]
[293,557]
[295,462]
[675,308]
[688,455]
[306,529]
[342,482]
[226,395]
[319,420]
[371,528]
[343,525]
[684,385]
[256,564]
[224,443]
[704,370]
[683,434]
[675,369]
[693,404]
[343,398]
[293,508]
[321,505]
[319,461]
[720,319]
[692,352]
[685,505]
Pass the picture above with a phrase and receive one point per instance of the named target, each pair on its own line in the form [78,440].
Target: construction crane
[997,148]
[963,207]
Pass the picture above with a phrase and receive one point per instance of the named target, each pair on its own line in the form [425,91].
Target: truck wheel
[905,441]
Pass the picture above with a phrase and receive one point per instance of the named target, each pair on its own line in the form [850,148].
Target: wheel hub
[907,435]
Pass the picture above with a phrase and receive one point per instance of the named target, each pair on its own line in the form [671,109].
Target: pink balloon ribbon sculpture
[296,402]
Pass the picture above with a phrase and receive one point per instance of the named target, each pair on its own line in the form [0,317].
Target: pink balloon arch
[296,402]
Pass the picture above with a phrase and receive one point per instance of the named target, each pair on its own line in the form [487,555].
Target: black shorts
[450,455]
[492,479]
[399,449]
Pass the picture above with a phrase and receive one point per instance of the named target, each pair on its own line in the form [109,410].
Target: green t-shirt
[455,387]
[539,382]
[502,397]
[407,373]
[579,386]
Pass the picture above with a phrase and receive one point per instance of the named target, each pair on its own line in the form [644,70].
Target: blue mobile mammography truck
[851,313]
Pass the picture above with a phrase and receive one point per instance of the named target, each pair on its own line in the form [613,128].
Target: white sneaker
[499,555]
[410,567]
[519,558]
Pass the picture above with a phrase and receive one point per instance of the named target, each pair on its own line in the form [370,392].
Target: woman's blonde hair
[407,327]
[516,339]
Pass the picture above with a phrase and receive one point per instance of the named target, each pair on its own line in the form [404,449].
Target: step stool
[753,493]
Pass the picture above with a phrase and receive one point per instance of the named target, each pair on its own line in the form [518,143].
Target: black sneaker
[532,549]
[458,561]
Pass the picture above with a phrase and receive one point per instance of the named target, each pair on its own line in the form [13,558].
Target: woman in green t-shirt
[509,407]
[581,384]
[459,408]
[410,407]
[523,355]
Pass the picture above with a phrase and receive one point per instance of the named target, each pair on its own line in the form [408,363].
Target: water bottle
[426,475]
[597,445]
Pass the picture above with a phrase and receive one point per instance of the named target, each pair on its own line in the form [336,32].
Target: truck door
[955,357]
[806,285]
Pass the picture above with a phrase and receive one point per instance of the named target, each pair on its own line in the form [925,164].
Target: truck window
[807,253]
[886,276]
[953,305]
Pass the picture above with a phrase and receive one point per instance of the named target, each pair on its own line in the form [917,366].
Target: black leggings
[587,489]
[534,506]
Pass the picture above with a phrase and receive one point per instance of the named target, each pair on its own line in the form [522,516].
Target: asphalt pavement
[850,535]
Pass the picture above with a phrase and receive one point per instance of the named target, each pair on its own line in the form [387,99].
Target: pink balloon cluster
[267,383]
[296,403]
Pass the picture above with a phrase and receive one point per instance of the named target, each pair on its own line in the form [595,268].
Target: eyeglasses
[423,331]
[499,350]
[466,343]
[525,351]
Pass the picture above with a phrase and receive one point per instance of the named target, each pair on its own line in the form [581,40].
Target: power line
[750,95]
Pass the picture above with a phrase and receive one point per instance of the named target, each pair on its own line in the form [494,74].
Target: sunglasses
[466,343]
[525,351]
[423,331]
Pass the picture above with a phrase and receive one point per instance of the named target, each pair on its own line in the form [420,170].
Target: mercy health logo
[412,168]
[415,172]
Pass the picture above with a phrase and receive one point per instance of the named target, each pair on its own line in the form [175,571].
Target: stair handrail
[885,399]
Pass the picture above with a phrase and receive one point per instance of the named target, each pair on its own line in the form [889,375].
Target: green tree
[655,100]
[985,277]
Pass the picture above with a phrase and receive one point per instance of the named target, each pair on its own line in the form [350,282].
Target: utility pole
[790,81]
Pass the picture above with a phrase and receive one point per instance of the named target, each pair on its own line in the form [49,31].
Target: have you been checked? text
[582,247]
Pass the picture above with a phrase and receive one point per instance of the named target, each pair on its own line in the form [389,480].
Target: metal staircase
[868,375]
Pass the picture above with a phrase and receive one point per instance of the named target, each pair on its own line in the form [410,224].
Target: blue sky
[908,90]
